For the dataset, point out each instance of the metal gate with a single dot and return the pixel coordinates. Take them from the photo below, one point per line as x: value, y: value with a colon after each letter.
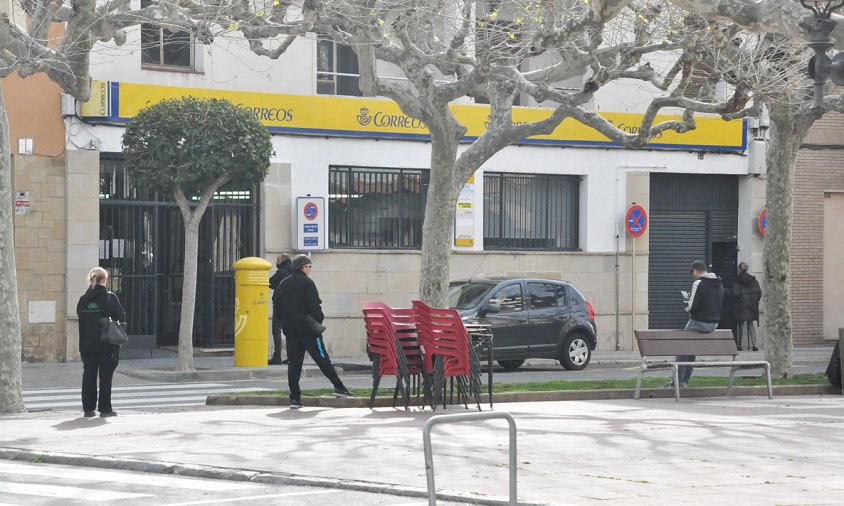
x: 142, y: 247
x: 693, y: 217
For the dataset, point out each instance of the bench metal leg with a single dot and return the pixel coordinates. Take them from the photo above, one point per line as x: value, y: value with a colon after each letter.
x: 676, y: 382
x: 730, y: 382
x: 639, y: 383
x: 768, y: 377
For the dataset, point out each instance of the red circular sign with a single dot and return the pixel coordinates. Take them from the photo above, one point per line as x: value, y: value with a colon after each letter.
x: 311, y: 211
x: 636, y: 221
x: 763, y: 221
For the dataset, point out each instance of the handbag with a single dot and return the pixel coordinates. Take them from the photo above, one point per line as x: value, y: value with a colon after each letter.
x: 111, y: 331
x: 315, y: 326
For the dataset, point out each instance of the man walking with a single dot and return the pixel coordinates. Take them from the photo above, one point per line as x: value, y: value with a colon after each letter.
x: 283, y: 264
x: 299, y: 300
x: 704, y: 307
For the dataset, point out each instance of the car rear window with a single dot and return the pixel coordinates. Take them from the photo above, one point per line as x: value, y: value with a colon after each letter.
x: 467, y: 295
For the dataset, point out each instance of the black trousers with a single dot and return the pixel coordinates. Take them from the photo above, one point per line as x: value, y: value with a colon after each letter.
x: 296, y: 348
x: 98, y: 364
x: 276, y: 332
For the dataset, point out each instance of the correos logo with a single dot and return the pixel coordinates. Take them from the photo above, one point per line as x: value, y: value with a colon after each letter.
x: 380, y: 119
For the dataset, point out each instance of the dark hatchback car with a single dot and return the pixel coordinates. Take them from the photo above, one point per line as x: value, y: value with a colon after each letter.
x: 529, y: 318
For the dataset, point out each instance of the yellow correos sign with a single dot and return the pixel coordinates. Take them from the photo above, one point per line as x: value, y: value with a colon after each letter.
x: 359, y: 117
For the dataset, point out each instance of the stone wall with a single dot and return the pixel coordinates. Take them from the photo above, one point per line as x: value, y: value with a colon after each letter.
x: 40, y: 239
x: 347, y: 278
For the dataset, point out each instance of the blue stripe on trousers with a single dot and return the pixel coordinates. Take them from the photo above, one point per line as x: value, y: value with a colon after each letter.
x: 320, y: 347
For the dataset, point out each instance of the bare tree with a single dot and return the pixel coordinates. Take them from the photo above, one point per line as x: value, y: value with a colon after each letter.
x: 509, y: 49
x: 791, y: 118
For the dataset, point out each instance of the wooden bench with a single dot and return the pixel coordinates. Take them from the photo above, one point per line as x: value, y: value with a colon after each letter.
x: 665, y: 343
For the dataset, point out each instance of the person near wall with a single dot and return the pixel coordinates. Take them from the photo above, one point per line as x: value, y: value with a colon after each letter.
x: 704, y: 307
x: 299, y: 299
x: 747, y: 294
x: 283, y: 264
x: 99, y: 359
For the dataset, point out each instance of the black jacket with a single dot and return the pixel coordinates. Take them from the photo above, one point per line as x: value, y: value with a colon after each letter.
x: 706, y: 297
x: 284, y: 270
x: 748, y: 294
x: 91, y: 307
x: 298, y: 298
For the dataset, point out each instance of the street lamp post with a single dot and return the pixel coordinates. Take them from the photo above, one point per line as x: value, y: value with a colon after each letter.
x: 821, y: 66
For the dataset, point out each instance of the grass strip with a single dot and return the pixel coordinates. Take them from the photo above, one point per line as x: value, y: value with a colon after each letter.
x: 552, y: 386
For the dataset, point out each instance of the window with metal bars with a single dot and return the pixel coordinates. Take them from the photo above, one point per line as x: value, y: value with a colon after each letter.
x: 531, y: 211
x: 376, y: 207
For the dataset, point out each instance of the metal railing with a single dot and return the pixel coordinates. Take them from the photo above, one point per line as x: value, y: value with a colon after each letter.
x: 466, y: 417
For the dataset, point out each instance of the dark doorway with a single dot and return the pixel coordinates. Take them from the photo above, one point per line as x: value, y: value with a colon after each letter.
x: 142, y: 246
x: 725, y: 265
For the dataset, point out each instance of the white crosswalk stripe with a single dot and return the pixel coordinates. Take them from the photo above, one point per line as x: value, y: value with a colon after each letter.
x: 137, y: 396
x: 49, y: 484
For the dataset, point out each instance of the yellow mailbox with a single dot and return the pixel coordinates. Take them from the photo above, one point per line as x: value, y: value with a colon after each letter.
x: 251, y: 311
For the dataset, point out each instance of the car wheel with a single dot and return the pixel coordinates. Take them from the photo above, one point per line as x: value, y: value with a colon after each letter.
x: 511, y: 365
x: 575, y: 354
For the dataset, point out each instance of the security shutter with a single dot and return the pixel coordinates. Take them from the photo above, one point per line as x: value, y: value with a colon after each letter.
x: 677, y: 239
x: 688, y: 212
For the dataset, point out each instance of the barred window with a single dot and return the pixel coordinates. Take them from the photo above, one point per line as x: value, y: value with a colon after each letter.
x: 375, y: 207
x: 531, y: 211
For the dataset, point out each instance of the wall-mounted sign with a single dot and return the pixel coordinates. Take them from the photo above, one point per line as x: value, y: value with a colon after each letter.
x: 310, y: 224
x: 636, y: 221
x: 22, y: 202
x: 763, y: 221
x: 464, y: 217
x: 115, y: 102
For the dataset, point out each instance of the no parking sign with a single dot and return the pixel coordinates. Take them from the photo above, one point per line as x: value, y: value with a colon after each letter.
x: 636, y: 221
x: 310, y: 223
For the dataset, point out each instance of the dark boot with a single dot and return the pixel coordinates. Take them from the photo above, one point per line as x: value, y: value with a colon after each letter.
x: 276, y: 360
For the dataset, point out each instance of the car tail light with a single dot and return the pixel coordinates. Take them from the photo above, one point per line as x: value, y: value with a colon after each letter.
x: 591, y: 310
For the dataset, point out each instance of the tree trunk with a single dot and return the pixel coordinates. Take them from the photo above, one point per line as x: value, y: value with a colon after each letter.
x: 443, y: 191
x: 11, y: 400
x: 788, y: 129
x: 192, y: 220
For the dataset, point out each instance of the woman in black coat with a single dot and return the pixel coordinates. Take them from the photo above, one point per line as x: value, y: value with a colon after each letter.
x: 747, y: 293
x: 98, y: 358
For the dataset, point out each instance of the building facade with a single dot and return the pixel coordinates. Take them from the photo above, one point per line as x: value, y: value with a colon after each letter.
x: 553, y: 207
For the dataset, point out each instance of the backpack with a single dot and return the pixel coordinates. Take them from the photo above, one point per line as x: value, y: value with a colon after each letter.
x: 833, y: 371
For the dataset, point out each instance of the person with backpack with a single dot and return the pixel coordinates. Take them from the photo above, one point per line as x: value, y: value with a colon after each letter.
x: 747, y: 294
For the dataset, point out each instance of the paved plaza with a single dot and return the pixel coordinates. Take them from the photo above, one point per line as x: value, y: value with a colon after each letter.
x: 732, y: 451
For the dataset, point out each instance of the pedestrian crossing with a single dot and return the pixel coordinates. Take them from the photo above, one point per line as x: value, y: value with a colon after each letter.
x: 40, y: 484
x: 132, y: 397
x: 48, y: 484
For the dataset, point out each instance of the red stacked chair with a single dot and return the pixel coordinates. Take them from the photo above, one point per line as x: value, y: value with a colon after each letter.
x: 447, y: 351
x: 391, y: 335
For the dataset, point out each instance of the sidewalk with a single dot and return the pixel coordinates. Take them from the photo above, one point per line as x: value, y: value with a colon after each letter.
x: 740, y: 451
x: 217, y: 367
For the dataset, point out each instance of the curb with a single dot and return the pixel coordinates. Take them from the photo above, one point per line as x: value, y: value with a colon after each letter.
x: 507, y: 397
x: 222, y: 473
x: 229, y: 374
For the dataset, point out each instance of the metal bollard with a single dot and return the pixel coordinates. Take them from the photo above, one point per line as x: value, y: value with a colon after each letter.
x: 467, y: 417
